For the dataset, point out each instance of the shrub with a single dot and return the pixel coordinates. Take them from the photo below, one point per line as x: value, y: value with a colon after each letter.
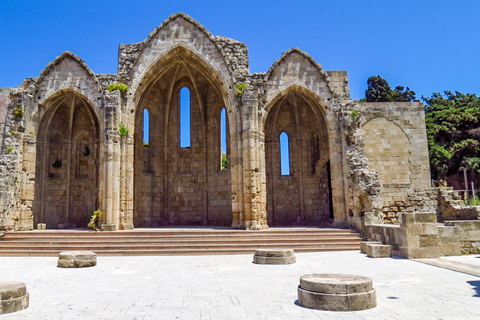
x: 240, y: 87
x: 92, y: 224
x: 122, y: 87
x: 18, y: 112
x: 123, y: 130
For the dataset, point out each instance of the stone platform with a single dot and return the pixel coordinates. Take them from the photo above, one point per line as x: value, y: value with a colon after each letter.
x: 336, y: 292
x: 13, y: 296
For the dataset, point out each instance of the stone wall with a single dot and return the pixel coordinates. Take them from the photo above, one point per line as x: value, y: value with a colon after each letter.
x: 395, y: 140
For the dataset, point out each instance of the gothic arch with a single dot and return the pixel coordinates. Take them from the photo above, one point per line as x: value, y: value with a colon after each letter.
x: 304, y: 196
x: 181, y: 186
x: 67, y: 164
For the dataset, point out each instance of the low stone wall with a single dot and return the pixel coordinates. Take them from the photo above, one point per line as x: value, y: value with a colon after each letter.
x: 385, y: 233
x: 418, y: 200
x: 468, y: 235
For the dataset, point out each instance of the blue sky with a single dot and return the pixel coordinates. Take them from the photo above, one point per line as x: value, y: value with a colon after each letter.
x: 430, y: 46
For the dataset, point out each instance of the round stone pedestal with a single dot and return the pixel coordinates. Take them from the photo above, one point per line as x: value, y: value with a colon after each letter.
x: 274, y: 256
x: 13, y: 296
x: 77, y: 259
x: 336, y: 292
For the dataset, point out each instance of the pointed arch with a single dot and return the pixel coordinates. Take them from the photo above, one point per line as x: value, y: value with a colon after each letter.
x: 298, y: 195
x: 180, y: 181
x: 68, y: 162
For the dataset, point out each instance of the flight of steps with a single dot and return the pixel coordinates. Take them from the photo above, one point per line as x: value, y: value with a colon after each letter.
x: 173, y: 241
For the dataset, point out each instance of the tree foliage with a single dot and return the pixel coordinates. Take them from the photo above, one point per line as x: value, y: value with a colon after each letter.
x: 380, y: 91
x: 453, y: 132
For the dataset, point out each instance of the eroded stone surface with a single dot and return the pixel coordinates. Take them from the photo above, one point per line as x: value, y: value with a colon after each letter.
x: 274, y: 256
x: 77, y: 259
x: 336, y: 292
x: 13, y: 296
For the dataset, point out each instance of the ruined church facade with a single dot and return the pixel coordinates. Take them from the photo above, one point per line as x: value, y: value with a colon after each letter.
x: 70, y: 146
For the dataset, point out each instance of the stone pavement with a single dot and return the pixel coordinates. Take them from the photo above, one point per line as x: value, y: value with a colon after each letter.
x: 232, y: 287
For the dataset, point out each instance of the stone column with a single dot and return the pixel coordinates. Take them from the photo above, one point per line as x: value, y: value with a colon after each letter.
x: 254, y: 177
x: 418, y: 235
x: 110, y: 186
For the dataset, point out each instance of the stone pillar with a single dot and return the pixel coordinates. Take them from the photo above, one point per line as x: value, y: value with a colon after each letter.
x: 254, y: 177
x: 110, y: 183
x: 418, y: 235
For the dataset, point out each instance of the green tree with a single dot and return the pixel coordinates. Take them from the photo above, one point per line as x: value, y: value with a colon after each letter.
x: 453, y: 132
x: 380, y: 91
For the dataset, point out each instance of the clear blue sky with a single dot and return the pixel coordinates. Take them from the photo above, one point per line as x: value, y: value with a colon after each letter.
x: 430, y: 46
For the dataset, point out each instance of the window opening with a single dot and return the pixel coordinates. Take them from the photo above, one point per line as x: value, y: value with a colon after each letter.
x: 223, y: 139
x: 146, y: 127
x: 284, y: 154
x: 184, y: 117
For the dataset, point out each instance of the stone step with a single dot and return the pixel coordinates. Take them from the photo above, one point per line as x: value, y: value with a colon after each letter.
x: 176, y: 241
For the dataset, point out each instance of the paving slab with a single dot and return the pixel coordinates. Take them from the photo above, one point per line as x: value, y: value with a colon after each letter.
x: 232, y: 287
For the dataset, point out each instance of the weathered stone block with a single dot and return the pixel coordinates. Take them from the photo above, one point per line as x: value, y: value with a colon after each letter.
x: 109, y: 227
x: 274, y: 256
x: 13, y: 296
x: 363, y: 245
x: 336, y: 292
x: 41, y: 226
x: 77, y: 259
x: 379, y: 251
x: 430, y: 240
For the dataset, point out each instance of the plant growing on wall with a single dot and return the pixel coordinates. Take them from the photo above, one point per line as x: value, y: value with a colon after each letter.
x: 18, y: 112
x: 122, y: 87
x: 123, y: 130
x: 224, y: 161
x: 92, y: 224
x: 9, y: 149
x: 239, y: 88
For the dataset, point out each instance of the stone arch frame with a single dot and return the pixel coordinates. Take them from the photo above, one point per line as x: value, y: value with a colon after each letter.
x: 298, y: 170
x: 181, y: 64
x: 51, y: 107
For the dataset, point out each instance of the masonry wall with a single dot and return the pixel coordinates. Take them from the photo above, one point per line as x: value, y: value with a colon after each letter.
x: 396, y: 146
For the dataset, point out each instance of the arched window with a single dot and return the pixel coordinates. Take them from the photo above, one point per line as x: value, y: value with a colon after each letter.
x: 146, y: 128
x: 223, y: 139
x: 184, y: 117
x: 284, y: 154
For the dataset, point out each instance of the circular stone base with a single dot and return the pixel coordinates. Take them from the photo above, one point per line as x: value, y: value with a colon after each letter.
x: 274, y: 256
x: 336, y: 292
x: 13, y: 296
x: 77, y: 259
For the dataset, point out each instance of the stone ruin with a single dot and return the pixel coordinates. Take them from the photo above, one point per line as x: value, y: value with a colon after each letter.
x: 71, y: 146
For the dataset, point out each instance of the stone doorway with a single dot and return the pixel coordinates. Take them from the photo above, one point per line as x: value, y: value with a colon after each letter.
x: 66, y: 192
x: 300, y: 195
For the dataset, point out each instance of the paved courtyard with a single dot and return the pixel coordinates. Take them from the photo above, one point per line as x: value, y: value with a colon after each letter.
x: 232, y: 287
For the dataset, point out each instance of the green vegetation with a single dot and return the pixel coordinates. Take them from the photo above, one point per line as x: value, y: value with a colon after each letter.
x: 453, y: 132
x: 9, y: 149
x: 379, y: 91
x: 224, y: 161
x: 239, y: 88
x: 123, y: 88
x: 146, y: 144
x: 123, y: 130
x: 18, y: 112
x: 92, y: 224
x: 355, y: 114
